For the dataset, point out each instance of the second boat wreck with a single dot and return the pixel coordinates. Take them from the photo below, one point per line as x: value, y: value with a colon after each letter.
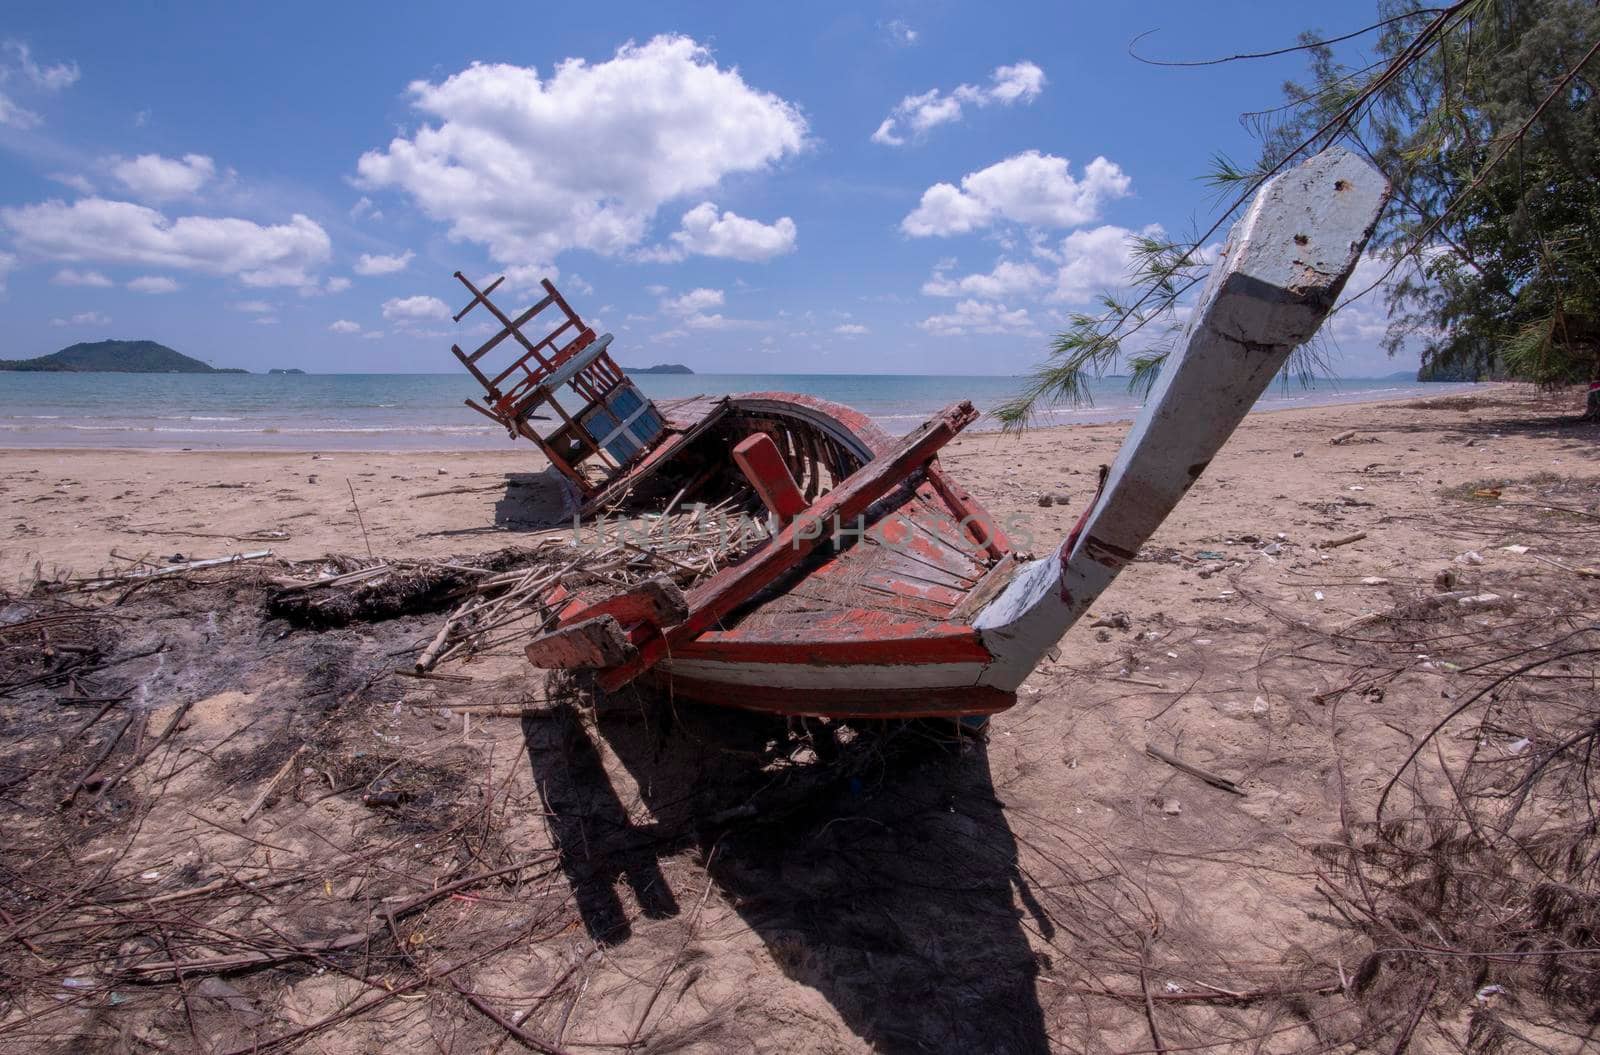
x: 879, y: 587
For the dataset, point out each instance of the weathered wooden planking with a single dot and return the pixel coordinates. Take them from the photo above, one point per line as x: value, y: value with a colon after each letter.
x: 768, y: 473
x: 838, y: 638
x: 593, y: 644
x: 1280, y: 274
x: 658, y: 601
x: 716, y: 598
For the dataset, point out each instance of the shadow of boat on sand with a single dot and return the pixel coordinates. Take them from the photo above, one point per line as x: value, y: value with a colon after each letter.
x: 885, y: 878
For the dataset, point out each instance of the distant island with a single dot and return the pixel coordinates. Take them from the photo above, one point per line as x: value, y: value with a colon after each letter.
x: 286, y: 370
x: 117, y: 357
x: 660, y: 368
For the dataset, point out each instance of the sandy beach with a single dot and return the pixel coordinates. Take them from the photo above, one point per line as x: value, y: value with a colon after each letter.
x: 69, y: 511
x: 988, y: 900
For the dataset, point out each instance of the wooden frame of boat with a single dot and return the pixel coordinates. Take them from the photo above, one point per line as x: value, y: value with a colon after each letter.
x: 886, y: 589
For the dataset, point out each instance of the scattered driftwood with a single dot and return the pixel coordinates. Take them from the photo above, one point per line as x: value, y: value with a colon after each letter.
x: 1193, y: 770
x: 370, y: 595
x: 1342, y: 540
x: 627, y: 570
x: 271, y: 785
x: 1421, y: 607
x: 1344, y: 437
x: 140, y: 576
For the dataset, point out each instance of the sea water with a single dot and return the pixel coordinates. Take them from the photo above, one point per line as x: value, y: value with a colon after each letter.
x: 426, y: 411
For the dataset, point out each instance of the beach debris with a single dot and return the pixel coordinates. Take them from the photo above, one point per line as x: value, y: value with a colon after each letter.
x: 1374, y: 580
x: 1472, y: 556
x: 1343, y: 540
x: 1446, y: 579
x: 271, y: 785
x: 1116, y: 621
x: 1047, y: 499
x: 1343, y: 438
x: 1193, y: 770
x: 631, y: 571
x: 1171, y: 807
x: 368, y: 594
x: 1300, y: 454
x: 1517, y: 550
x: 139, y: 575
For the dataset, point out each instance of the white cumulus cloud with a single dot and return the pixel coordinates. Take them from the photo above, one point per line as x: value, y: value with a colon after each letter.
x: 16, y: 58
x: 1008, y: 279
x: 973, y: 316
x: 915, y: 115
x: 154, y: 284
x: 899, y: 33
x: 1029, y: 188
x: 95, y: 229
x: 657, y: 121
x: 372, y: 264
x: 84, y: 318
x: 851, y: 329
x: 160, y: 178
x: 8, y: 263
x: 71, y: 277
x: 415, y: 309
x: 17, y: 116
x: 344, y: 326
x: 705, y: 232
x: 1073, y: 271
x: 17, y: 65
x: 696, y: 300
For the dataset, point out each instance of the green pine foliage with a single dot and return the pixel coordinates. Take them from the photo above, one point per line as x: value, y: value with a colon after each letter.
x: 1483, y: 116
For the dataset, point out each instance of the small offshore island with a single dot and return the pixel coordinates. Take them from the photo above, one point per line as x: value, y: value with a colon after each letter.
x: 659, y: 368
x: 117, y: 357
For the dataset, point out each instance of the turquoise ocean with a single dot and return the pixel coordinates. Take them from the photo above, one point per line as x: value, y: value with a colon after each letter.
x: 425, y: 411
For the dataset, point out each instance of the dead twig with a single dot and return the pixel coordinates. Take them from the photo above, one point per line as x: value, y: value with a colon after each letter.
x: 1193, y: 770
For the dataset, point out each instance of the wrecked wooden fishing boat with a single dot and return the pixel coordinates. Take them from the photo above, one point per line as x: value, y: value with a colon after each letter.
x: 880, y: 587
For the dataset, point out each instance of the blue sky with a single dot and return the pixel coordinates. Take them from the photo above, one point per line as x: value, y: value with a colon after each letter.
x: 836, y: 188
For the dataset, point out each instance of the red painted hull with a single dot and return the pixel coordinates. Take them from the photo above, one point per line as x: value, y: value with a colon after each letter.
x: 868, y: 623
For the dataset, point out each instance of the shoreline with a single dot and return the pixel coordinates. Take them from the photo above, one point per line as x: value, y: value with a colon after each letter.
x: 83, y: 509
x: 984, y: 426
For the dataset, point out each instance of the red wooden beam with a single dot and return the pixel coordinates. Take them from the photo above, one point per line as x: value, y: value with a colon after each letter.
x: 762, y: 464
x: 657, y: 601
x: 980, y: 525
x: 590, y: 645
x: 721, y: 594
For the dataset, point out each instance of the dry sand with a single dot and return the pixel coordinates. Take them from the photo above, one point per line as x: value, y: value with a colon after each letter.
x: 71, y: 510
x: 924, y: 903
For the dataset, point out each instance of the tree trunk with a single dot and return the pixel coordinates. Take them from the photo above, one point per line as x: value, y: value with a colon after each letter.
x: 1592, y: 410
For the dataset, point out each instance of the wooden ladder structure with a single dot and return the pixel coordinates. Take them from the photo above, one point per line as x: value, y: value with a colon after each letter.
x: 611, y: 424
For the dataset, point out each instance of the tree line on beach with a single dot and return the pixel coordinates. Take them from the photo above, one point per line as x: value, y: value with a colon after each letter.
x: 1483, y: 115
